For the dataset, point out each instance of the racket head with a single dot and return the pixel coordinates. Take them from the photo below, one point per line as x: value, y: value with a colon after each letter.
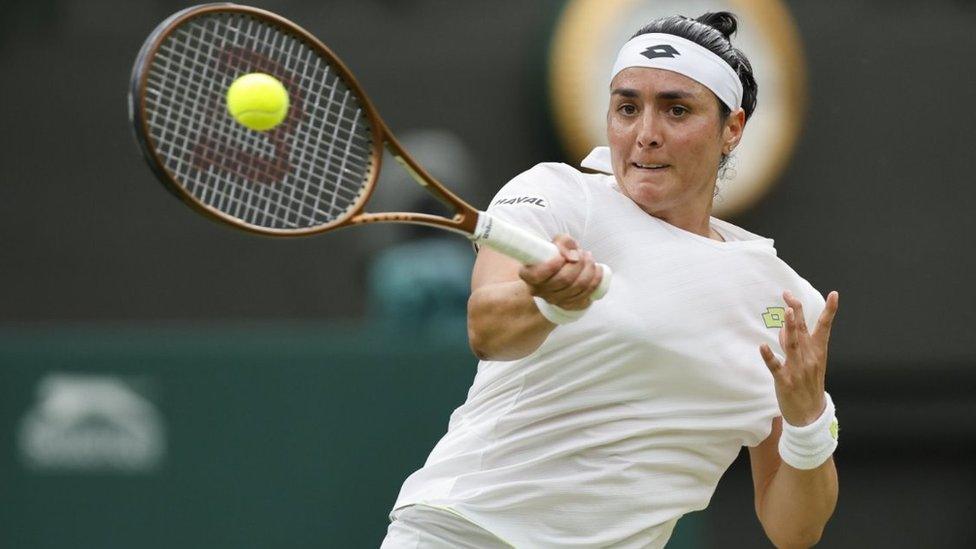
x: 312, y: 173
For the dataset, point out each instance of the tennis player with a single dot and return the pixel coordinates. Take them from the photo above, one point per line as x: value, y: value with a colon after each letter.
x: 601, y: 424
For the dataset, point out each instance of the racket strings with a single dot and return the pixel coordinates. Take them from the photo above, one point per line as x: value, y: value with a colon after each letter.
x: 259, y: 202
x: 240, y: 129
x: 310, y: 171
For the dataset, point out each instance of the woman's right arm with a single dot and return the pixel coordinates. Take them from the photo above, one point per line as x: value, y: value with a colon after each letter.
x: 504, y: 322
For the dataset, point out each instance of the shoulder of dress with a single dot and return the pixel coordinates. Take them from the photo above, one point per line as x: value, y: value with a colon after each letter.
x: 556, y: 169
x: 550, y: 175
x: 739, y: 232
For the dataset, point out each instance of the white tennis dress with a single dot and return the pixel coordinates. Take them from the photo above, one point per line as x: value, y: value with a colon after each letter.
x: 625, y: 420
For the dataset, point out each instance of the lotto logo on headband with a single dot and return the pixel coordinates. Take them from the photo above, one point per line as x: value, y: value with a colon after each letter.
x: 658, y: 50
x: 661, y: 50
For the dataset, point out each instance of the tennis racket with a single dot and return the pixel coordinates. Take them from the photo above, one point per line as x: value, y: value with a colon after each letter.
x: 314, y: 172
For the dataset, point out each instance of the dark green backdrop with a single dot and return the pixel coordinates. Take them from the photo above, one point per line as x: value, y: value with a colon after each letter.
x: 276, y: 435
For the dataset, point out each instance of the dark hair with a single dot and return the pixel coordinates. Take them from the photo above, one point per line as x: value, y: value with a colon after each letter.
x: 713, y: 31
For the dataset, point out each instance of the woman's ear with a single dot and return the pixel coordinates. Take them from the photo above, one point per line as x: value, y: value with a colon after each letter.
x: 732, y: 132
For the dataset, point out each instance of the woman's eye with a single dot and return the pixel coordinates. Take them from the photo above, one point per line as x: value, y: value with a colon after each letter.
x: 678, y: 110
x: 627, y: 109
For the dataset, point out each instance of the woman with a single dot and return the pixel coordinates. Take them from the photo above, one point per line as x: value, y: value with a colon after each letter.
x: 601, y: 424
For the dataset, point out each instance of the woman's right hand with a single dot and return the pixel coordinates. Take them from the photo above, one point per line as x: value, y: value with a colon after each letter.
x: 504, y: 322
x: 567, y: 280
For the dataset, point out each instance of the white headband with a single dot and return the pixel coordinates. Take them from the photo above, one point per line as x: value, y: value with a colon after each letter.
x: 676, y: 54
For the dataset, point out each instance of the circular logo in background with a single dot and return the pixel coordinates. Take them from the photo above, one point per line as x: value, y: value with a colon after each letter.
x: 590, y: 32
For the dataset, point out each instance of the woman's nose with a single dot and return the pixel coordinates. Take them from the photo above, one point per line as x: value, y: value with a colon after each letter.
x: 648, y: 134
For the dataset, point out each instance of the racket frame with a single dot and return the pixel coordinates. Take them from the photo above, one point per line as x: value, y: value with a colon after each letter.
x: 464, y: 221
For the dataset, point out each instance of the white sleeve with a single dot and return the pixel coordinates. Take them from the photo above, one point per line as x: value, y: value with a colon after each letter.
x: 548, y: 199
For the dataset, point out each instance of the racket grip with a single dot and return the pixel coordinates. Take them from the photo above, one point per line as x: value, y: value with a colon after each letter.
x: 524, y: 246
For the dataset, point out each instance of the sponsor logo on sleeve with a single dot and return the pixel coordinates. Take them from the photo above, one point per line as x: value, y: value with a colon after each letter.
x: 536, y: 201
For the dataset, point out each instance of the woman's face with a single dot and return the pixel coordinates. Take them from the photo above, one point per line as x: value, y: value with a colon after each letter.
x: 666, y: 139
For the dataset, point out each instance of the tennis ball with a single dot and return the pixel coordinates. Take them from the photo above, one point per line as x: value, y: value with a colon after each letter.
x: 258, y: 101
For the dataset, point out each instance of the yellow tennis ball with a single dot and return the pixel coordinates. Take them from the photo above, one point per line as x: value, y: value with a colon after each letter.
x: 258, y: 101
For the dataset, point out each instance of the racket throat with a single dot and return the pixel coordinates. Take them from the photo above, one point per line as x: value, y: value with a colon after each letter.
x: 442, y: 195
x: 410, y: 170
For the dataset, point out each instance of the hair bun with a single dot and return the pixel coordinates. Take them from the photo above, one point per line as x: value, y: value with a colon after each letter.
x: 722, y: 21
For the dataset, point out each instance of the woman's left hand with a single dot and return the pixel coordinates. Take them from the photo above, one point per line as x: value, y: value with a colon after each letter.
x: 800, y: 379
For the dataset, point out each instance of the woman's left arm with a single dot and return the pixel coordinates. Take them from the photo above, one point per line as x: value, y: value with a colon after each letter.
x: 794, y: 504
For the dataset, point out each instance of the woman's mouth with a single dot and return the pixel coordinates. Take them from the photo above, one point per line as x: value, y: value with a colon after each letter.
x: 650, y: 166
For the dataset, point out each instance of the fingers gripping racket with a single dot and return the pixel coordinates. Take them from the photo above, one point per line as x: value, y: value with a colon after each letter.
x: 312, y: 173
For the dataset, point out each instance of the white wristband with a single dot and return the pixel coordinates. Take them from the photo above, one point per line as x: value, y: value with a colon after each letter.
x: 557, y: 315
x: 809, y: 446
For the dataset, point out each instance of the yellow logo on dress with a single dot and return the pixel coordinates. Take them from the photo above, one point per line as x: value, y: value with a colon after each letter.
x: 774, y: 317
x: 834, y: 428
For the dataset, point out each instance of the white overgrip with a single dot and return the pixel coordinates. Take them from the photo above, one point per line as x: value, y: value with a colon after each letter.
x: 527, y: 248
x: 512, y: 240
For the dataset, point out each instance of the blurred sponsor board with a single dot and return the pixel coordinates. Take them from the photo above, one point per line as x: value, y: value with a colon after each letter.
x: 92, y: 423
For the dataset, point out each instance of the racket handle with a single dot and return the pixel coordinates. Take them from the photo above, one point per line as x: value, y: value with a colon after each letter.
x: 524, y: 246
